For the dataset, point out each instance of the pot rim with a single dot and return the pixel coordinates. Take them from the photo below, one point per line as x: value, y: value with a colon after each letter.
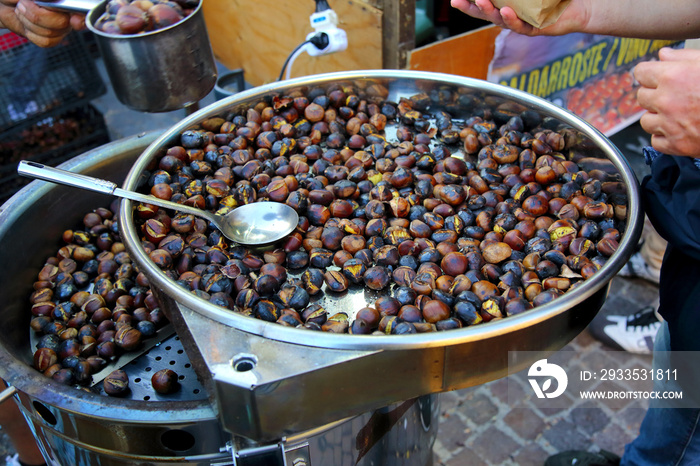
x: 94, y: 15
x: 389, y: 342
x: 17, y: 373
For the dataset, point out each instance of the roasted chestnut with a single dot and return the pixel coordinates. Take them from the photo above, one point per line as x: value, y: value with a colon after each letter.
x: 116, y: 383
x: 377, y: 277
x: 336, y: 281
x: 165, y: 381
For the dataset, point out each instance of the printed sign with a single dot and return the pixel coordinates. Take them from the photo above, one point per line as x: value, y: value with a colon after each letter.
x: 590, y: 75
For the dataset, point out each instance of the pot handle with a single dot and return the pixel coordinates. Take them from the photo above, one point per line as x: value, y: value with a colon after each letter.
x: 76, y: 6
x: 7, y: 394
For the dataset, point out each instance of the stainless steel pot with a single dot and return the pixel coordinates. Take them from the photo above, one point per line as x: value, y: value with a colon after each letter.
x: 76, y: 427
x: 286, y: 380
x: 159, y: 71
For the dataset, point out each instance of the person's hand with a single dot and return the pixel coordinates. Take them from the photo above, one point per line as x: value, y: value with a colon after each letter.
x: 505, y: 17
x: 41, y: 26
x: 574, y: 18
x: 670, y: 92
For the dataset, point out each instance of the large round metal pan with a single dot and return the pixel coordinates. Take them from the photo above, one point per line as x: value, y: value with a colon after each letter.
x: 372, y: 370
x: 80, y: 427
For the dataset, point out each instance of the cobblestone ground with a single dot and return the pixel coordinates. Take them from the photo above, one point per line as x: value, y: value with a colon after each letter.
x: 488, y: 425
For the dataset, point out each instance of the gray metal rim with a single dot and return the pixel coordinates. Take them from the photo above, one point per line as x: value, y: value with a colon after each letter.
x: 368, y: 343
x: 32, y: 383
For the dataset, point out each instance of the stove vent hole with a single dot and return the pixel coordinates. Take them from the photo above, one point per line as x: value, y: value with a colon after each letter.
x: 177, y: 440
x: 244, y: 362
x: 45, y: 413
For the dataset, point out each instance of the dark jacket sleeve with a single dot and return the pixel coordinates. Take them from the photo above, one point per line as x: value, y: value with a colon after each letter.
x: 671, y: 200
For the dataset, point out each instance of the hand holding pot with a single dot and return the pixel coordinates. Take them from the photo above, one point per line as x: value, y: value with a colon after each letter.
x: 43, y: 27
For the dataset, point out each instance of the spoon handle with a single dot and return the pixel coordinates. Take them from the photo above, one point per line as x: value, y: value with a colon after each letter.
x: 76, y: 180
x: 56, y: 175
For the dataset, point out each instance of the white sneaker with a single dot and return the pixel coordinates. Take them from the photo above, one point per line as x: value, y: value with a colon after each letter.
x: 634, y: 334
x: 12, y: 460
x: 15, y: 115
x: 637, y: 267
x: 31, y: 108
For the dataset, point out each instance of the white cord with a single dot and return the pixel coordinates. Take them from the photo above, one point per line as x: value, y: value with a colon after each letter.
x: 291, y: 60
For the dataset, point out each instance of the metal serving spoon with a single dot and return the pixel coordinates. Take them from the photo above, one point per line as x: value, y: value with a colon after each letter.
x: 249, y: 225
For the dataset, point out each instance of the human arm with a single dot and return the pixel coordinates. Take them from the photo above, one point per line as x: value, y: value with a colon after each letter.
x: 670, y: 92
x: 41, y: 26
x: 650, y: 19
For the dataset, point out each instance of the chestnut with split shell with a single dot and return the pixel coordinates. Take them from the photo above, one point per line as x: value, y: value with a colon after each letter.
x: 256, y: 224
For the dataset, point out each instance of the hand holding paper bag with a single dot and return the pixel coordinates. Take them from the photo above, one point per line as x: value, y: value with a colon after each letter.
x: 644, y: 19
x: 536, y: 13
x: 539, y: 13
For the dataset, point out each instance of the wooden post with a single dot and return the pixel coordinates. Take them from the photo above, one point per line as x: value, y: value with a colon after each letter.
x: 399, y: 25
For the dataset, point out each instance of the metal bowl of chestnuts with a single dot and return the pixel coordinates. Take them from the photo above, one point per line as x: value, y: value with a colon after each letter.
x: 450, y: 231
x: 157, y: 54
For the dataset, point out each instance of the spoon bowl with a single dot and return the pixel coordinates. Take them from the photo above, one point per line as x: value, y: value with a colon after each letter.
x: 257, y: 224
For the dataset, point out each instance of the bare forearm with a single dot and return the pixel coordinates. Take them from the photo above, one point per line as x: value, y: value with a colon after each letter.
x: 650, y: 19
x: 43, y: 27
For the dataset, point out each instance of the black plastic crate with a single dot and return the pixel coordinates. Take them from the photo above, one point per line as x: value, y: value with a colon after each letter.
x: 42, y: 82
x: 51, y: 141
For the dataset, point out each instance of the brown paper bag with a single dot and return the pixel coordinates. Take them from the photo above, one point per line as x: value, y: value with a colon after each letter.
x: 539, y: 13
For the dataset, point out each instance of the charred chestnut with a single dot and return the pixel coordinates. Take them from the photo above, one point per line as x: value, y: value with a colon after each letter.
x: 116, y: 383
x: 165, y: 381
